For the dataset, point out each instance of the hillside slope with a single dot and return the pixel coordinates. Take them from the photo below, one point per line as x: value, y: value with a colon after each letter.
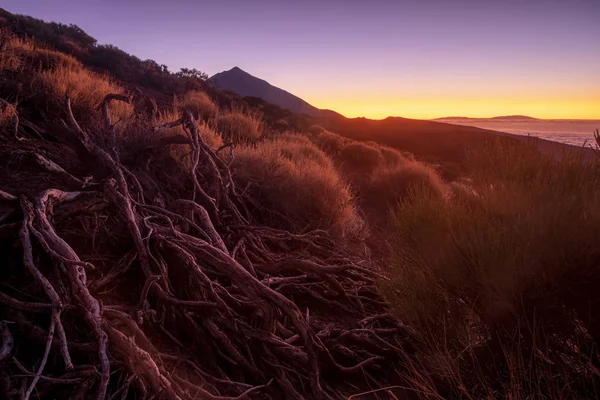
x: 244, y: 84
x: 157, y: 82
x: 140, y: 260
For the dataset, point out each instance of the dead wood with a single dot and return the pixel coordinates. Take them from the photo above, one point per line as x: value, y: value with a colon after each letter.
x: 181, y: 298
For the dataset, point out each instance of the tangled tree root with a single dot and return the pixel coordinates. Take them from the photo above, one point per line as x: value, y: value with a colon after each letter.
x: 118, y: 289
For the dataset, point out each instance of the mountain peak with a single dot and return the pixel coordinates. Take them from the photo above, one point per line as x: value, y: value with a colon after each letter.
x: 241, y: 82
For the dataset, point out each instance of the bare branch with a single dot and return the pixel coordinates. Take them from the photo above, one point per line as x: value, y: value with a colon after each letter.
x: 105, y: 106
x: 7, y: 341
x: 171, y: 124
x: 7, y: 196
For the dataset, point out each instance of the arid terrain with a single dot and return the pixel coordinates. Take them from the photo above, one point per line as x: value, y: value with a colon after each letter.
x: 162, y: 238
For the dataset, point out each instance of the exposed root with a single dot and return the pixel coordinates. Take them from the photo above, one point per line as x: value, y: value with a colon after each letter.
x: 179, y: 299
x: 7, y: 341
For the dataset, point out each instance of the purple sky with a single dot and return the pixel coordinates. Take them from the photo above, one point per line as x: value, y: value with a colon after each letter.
x: 420, y: 58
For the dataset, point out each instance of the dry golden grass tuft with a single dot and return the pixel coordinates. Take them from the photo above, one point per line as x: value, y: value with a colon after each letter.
x: 7, y: 114
x: 12, y: 48
x: 239, y: 126
x: 331, y: 143
x: 316, y: 129
x: 19, y: 53
x: 299, y: 148
x: 295, y: 186
x: 86, y: 90
x: 358, y: 158
x: 210, y: 137
x: 198, y: 103
x: 394, y: 157
x: 506, y: 271
x: 47, y: 59
x: 389, y: 185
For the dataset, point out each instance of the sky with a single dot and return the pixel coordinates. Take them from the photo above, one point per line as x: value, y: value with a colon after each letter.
x: 411, y: 58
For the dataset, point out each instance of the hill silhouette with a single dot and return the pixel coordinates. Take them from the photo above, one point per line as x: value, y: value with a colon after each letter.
x: 247, y: 85
x: 501, y: 117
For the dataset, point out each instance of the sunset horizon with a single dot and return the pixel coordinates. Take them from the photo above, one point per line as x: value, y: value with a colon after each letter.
x: 421, y: 60
x: 421, y: 108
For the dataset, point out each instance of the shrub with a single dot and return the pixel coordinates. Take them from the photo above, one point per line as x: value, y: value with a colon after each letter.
x: 394, y: 157
x: 294, y: 138
x: 86, y: 90
x: 316, y: 129
x: 299, y: 148
x: 360, y: 158
x: 11, y: 49
x: 7, y: 114
x: 295, y: 189
x: 389, y: 185
x: 506, y: 272
x: 331, y: 143
x: 18, y: 53
x: 48, y: 59
x: 238, y: 126
x: 210, y: 137
x: 198, y: 103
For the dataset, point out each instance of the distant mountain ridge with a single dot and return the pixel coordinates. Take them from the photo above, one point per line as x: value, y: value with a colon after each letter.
x: 502, y: 117
x: 241, y: 82
x: 520, y: 117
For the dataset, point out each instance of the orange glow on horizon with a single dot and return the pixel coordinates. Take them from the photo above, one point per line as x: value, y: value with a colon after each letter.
x: 544, y: 108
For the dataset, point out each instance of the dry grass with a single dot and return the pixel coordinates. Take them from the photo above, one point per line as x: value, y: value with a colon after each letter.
x: 238, y: 126
x: 45, y: 59
x: 383, y: 175
x: 296, y: 187
x: 358, y: 158
x: 7, y: 114
x: 18, y: 53
x: 299, y: 148
x: 12, y: 48
x: 394, y: 157
x: 198, y: 103
x: 389, y: 185
x: 331, y: 143
x: 316, y: 129
x: 502, y: 277
x: 85, y: 88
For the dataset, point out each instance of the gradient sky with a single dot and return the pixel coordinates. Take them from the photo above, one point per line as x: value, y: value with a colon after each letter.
x: 411, y: 58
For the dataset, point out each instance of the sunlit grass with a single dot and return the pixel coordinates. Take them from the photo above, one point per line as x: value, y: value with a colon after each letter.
x: 198, y: 103
x: 239, y: 126
x: 297, y: 187
x: 85, y: 88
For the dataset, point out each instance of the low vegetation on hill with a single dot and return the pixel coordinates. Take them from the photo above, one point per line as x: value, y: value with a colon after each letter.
x: 295, y: 186
x: 174, y: 252
x: 506, y: 272
x: 163, y: 240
